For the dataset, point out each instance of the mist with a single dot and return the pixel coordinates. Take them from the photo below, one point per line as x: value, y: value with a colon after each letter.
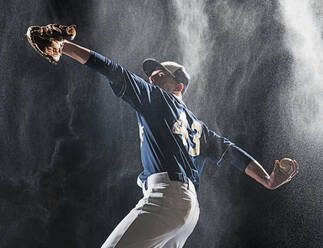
x: 303, y: 21
x: 69, y: 147
x: 194, y: 38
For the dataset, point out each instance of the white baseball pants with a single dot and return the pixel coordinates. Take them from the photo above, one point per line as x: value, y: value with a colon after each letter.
x: 164, y: 217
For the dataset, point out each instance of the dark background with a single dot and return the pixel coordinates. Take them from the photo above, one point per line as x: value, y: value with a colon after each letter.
x: 69, y: 149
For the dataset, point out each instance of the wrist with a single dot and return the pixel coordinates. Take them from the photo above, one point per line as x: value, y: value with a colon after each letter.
x: 272, y: 184
x: 268, y: 183
x: 265, y: 181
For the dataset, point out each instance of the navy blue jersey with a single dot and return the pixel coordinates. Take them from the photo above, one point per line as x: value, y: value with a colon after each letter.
x: 172, y: 139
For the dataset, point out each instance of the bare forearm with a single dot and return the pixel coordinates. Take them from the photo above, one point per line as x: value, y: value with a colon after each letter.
x: 79, y: 53
x: 257, y: 172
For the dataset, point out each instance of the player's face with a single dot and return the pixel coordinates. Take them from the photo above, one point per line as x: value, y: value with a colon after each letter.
x: 163, y: 79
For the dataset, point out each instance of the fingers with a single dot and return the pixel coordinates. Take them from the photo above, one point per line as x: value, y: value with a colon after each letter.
x: 276, y: 165
x: 293, y: 171
x: 296, y: 168
x: 280, y: 176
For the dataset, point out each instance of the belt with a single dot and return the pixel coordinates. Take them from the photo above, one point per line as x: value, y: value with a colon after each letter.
x: 163, y: 177
x: 178, y: 177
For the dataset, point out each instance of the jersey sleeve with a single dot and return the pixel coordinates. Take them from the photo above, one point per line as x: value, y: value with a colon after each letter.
x: 221, y: 151
x: 125, y: 84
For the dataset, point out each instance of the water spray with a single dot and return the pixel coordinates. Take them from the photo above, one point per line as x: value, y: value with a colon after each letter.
x: 303, y: 38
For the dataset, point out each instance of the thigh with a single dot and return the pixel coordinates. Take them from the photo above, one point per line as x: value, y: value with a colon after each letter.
x: 149, y: 225
x: 178, y: 240
x: 120, y: 229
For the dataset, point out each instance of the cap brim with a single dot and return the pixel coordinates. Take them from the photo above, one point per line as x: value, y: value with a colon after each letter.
x: 150, y: 65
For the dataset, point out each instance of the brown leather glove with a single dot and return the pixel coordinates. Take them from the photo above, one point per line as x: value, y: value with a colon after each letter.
x: 48, y: 40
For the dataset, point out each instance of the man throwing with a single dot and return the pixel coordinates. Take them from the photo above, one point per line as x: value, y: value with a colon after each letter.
x: 174, y: 148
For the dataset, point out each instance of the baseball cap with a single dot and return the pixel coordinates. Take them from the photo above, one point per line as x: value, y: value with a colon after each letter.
x: 177, y: 71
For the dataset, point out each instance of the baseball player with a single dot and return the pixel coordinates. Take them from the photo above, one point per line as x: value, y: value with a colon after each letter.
x: 174, y: 148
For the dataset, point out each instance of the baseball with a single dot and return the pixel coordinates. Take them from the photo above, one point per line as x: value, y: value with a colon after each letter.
x: 285, y: 164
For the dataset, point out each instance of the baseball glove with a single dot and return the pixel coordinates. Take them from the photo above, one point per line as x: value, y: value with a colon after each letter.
x: 48, y: 40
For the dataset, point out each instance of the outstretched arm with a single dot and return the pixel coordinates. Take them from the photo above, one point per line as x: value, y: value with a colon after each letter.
x: 276, y: 178
x: 79, y: 53
x: 125, y: 84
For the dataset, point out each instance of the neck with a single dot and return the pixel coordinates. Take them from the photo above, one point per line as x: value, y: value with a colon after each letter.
x: 178, y: 95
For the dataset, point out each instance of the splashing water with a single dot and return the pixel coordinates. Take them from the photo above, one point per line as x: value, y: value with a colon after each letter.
x: 303, y: 21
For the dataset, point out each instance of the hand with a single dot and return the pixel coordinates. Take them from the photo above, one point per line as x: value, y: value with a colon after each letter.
x: 278, y: 177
